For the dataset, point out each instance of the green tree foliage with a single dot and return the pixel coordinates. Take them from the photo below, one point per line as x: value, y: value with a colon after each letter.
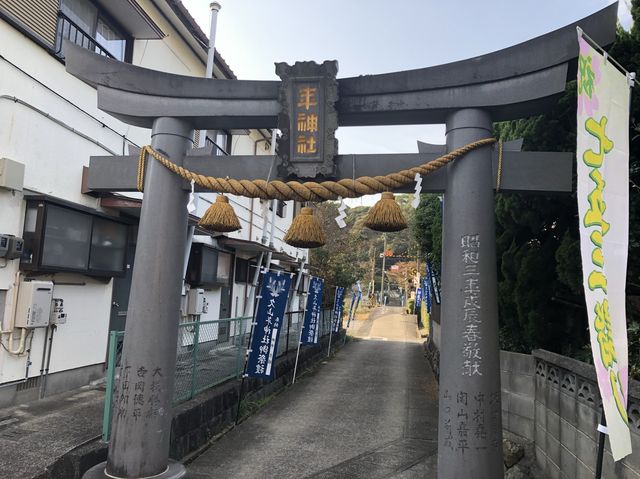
x: 540, y: 279
x: 426, y: 228
x: 339, y: 261
x: 353, y: 253
x: 540, y: 293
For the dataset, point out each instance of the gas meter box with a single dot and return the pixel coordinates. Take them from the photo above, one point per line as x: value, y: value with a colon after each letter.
x: 16, y: 245
x: 10, y: 246
x: 4, y: 245
x: 58, y: 316
x: 33, y: 308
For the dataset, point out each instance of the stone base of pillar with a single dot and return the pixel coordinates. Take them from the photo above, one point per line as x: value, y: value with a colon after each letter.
x: 174, y: 471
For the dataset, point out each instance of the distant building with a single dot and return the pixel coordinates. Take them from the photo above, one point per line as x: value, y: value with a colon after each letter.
x: 81, y: 244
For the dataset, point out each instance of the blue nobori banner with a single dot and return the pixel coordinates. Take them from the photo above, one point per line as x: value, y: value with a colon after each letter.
x: 337, y: 309
x: 433, y: 281
x: 268, y: 323
x: 426, y: 292
x: 418, y: 301
x: 312, y: 314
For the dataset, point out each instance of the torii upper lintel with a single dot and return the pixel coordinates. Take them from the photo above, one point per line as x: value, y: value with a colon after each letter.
x: 519, y: 81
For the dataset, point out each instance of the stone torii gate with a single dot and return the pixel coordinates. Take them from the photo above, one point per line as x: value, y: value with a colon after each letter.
x: 467, y: 96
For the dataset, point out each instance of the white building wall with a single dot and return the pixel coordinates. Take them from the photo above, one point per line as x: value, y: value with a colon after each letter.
x: 54, y: 155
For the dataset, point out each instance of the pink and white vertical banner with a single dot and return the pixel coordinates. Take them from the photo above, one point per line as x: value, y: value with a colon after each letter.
x: 603, y: 207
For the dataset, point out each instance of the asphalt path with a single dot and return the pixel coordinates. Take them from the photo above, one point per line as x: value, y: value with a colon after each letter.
x: 370, y: 411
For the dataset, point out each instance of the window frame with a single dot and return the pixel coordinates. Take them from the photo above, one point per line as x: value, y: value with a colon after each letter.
x: 35, y: 240
x: 195, y: 275
x: 241, y: 274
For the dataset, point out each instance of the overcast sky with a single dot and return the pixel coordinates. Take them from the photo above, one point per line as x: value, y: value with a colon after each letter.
x: 375, y: 36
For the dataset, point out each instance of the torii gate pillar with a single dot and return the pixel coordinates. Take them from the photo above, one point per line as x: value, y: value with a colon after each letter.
x: 470, y: 426
x: 142, y: 409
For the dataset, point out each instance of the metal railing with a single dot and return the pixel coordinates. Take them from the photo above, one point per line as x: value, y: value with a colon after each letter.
x: 68, y: 30
x: 203, y: 359
x: 219, y: 151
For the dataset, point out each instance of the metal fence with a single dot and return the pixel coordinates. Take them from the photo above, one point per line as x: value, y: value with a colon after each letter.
x: 204, y: 358
x: 68, y: 30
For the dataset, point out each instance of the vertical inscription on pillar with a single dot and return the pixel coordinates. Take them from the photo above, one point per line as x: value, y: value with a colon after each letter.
x: 471, y: 332
x: 138, y: 393
x: 448, y: 427
x: 462, y: 432
x: 470, y: 421
x: 122, y: 393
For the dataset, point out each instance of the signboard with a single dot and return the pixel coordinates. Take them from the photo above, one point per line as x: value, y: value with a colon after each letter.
x: 311, y: 324
x: 268, y: 323
x: 308, y: 118
x: 603, y: 211
x: 337, y: 309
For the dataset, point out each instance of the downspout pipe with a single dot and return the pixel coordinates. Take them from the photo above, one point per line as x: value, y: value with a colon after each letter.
x: 215, y: 8
x: 274, y: 205
x: 211, y: 53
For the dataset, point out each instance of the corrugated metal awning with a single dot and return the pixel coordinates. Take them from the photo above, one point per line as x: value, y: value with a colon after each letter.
x: 243, y: 245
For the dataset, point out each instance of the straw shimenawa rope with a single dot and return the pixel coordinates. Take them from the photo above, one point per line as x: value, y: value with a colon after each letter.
x: 309, y: 190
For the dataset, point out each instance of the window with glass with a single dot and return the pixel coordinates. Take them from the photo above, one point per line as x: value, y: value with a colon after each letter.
x: 108, y: 245
x: 83, y: 23
x: 208, y: 266
x: 223, y: 272
x: 242, y: 270
x: 281, y: 209
x: 221, y: 140
x: 67, y: 239
x: 62, y: 238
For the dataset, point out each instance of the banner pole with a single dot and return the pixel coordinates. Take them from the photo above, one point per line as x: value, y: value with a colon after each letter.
x: 294, y: 292
x: 295, y: 367
x: 246, y: 355
x: 601, y: 436
x: 333, y: 311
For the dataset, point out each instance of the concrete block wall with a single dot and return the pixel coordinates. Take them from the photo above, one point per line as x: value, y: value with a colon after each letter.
x: 554, y: 401
x: 567, y: 413
x: 518, y: 390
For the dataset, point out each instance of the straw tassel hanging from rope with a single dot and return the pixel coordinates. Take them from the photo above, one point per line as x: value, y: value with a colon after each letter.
x: 386, y: 215
x: 220, y: 217
x: 305, y: 231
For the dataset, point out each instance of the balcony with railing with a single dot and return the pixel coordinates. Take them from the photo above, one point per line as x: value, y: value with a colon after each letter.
x: 69, y: 30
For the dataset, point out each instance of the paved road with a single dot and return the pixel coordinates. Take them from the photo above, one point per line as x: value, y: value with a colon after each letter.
x: 369, y: 412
